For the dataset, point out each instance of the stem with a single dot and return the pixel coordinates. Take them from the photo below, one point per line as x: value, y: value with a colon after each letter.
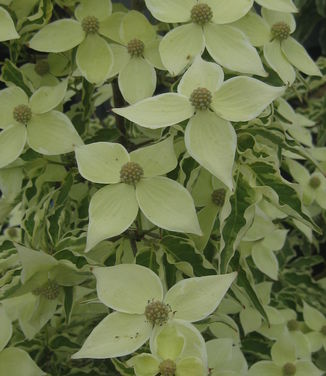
x: 133, y: 245
x: 118, y: 102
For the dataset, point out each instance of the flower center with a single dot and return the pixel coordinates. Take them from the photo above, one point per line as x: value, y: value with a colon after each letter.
x: 201, y: 98
x: 167, y: 368
x: 289, y: 369
x: 280, y: 31
x: 131, y: 173
x: 135, y: 47
x: 218, y: 197
x: 50, y: 290
x: 22, y: 114
x: 293, y: 325
x: 42, y: 67
x: 90, y: 24
x: 314, y: 182
x: 323, y: 330
x: 157, y: 313
x: 201, y: 14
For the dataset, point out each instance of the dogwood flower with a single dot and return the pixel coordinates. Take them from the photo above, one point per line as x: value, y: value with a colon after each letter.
x: 142, y: 309
x: 210, y: 104
x: 284, y: 362
x: 281, y: 51
x: 7, y: 27
x: 316, y: 321
x: 94, y: 57
x: 205, y: 27
x: 134, y: 183
x: 34, y: 119
x: 169, y: 357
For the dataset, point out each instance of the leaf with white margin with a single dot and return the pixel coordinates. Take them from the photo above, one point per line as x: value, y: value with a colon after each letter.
x: 5, y: 329
x: 212, y: 142
x: 171, y: 10
x: 201, y: 74
x: 278, y: 5
x: 266, y: 261
x: 278, y: 62
x: 195, y: 298
x: 167, y: 204
x: 94, y: 59
x: 313, y: 318
x: 224, y: 12
x: 298, y: 56
x: 243, y: 98
x: 34, y: 262
x: 157, y: 159
x: 255, y: 28
x: 180, y: 46
x: 229, y: 47
x: 134, y: 25
x: 137, y: 80
x: 9, y: 99
x: 118, y: 334
x: 112, y: 210
x: 101, y: 162
x: 100, y: 9
x: 12, y: 142
x: 159, y: 111
x: 265, y: 368
x: 127, y: 287
x: 47, y: 98
x: 58, y: 36
x: 52, y: 133
x: 7, y: 27
x: 14, y: 360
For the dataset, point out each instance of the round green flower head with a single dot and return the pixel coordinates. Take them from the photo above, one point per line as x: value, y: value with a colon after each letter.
x: 323, y: 330
x: 167, y: 368
x: 280, y: 31
x: 135, y: 48
x: 42, y: 67
x: 22, y: 114
x: 201, y: 98
x: 293, y: 325
x: 50, y: 290
x: 218, y: 197
x: 201, y: 14
x: 131, y: 173
x: 314, y: 182
x: 157, y: 313
x: 289, y: 369
x: 90, y: 24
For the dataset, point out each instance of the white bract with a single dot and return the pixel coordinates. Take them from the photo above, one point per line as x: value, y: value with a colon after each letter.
x: 142, y: 308
x: 316, y: 321
x: 7, y: 27
x: 211, y: 105
x: 134, y: 183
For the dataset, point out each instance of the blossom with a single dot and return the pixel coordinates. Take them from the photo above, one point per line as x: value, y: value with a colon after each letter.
x: 210, y: 105
x: 34, y: 120
x: 94, y: 56
x: 142, y: 309
x: 316, y: 321
x: 7, y: 27
x: 205, y: 27
x: 281, y: 51
x: 134, y: 183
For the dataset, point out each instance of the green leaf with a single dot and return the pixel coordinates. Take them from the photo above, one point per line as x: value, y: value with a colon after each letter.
x: 10, y: 73
x: 68, y: 301
x: 6, y: 328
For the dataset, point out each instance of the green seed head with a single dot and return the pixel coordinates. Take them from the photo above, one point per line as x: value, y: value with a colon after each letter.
x: 314, y: 182
x: 289, y: 369
x: 136, y: 48
x: 323, y: 330
x: 42, y: 67
x: 218, y: 197
x: 293, y: 325
x: 22, y: 114
x: 90, y: 24
x: 280, y: 31
x: 167, y: 368
x: 157, y: 313
x: 131, y: 173
x: 201, y: 98
x: 50, y: 290
x: 201, y: 14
